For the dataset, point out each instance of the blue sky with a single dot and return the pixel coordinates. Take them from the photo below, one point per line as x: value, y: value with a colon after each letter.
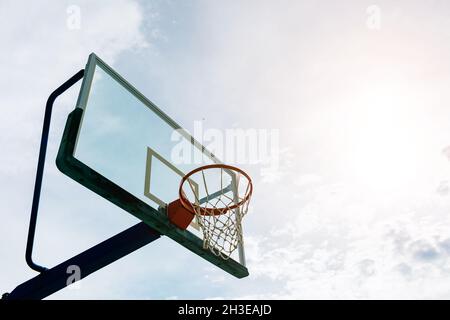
x: 358, y: 207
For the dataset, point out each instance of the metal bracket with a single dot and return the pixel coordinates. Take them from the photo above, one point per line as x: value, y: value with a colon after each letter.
x: 40, y: 168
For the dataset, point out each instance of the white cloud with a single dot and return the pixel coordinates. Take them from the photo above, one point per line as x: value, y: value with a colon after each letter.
x: 307, y: 180
x: 42, y: 53
x: 333, y: 249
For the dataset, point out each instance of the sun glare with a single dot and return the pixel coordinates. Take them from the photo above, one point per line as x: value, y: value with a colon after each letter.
x: 388, y: 139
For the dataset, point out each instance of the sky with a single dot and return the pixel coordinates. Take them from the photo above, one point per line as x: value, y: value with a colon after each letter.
x: 354, y: 201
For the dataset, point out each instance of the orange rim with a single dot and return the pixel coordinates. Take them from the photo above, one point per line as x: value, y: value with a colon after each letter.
x: 213, y: 211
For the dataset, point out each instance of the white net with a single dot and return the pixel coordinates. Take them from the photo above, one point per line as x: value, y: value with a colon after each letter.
x: 220, y: 202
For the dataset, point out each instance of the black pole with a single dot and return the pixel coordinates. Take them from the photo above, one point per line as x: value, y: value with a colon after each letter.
x: 89, y: 261
x: 40, y: 168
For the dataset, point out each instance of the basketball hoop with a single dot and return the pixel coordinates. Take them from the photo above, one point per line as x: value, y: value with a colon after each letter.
x: 227, y: 191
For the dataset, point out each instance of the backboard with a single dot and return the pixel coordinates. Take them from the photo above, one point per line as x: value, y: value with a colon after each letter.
x: 120, y: 145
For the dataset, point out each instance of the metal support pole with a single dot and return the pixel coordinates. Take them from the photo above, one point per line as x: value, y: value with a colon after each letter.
x: 89, y: 261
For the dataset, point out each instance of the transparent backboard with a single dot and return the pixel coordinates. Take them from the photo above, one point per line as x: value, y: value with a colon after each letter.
x: 120, y: 145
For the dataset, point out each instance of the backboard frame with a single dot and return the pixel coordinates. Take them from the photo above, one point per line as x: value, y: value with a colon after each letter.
x: 68, y: 164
